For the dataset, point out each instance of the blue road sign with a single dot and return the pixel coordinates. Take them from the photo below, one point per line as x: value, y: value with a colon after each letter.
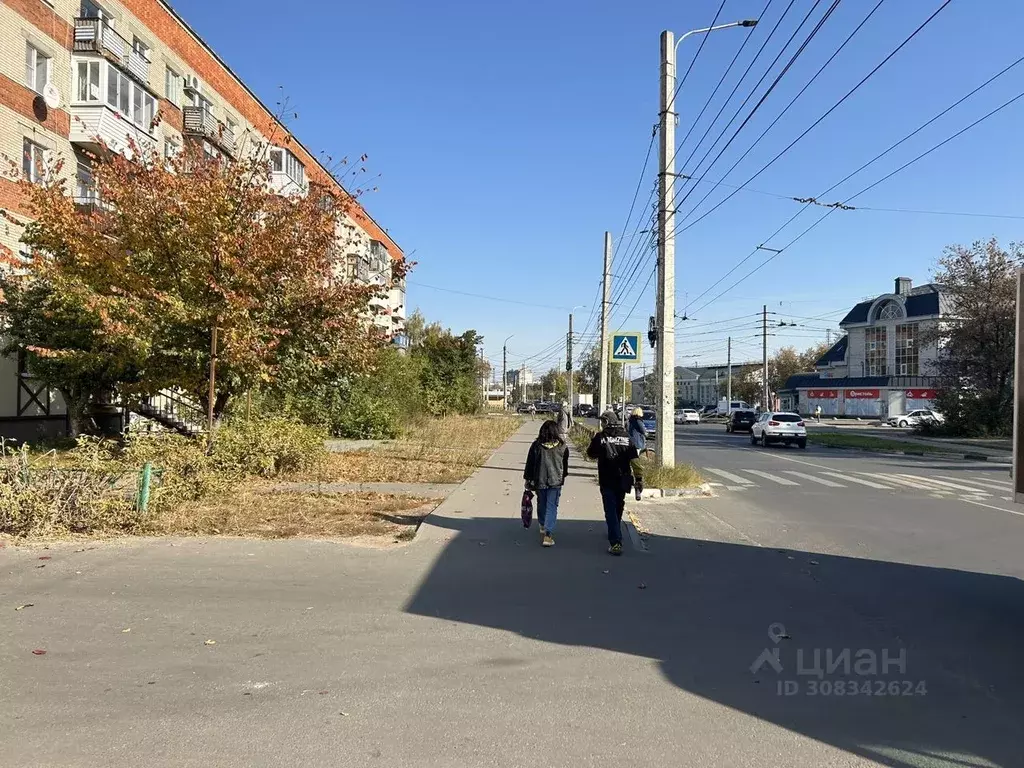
x: 625, y: 347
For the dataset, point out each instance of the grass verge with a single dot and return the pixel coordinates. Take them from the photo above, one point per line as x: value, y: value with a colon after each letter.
x: 276, y: 515
x: 869, y: 443
x: 679, y: 476
x: 444, y: 450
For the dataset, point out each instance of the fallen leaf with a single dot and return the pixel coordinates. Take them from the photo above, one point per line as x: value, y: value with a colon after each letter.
x: 45, y: 557
x: 26, y: 605
x: 814, y: 562
x: 41, y: 566
x: 209, y: 642
x: 343, y: 714
x: 126, y: 630
x: 604, y: 571
x: 641, y: 585
x: 38, y: 652
x: 322, y: 692
x: 151, y: 682
x: 247, y: 693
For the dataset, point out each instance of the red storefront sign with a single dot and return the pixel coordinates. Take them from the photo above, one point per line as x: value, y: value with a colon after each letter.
x: 862, y: 394
x: 823, y: 394
x: 921, y: 394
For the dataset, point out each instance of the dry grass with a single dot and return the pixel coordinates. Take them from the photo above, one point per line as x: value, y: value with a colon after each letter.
x: 433, y: 451
x: 679, y: 476
x: 271, y: 515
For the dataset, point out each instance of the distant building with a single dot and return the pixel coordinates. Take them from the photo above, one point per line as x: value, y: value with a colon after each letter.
x: 695, y: 386
x: 884, y: 365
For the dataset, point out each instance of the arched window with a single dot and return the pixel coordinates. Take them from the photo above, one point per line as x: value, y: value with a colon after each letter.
x: 889, y: 310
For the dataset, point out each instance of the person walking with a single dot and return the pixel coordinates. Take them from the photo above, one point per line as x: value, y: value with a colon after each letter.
x: 637, y: 431
x: 563, y: 421
x: 817, y: 413
x: 617, y: 471
x: 547, y: 464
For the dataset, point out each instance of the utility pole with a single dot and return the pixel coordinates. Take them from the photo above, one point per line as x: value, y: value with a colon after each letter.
x: 728, y: 386
x: 504, y: 376
x: 665, y: 353
x: 764, y: 358
x: 606, y: 300
x: 568, y: 361
x: 828, y: 336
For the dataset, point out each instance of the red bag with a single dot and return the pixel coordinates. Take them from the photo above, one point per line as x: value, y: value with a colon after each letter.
x: 527, y: 508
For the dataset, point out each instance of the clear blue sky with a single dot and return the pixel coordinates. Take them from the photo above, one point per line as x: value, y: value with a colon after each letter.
x: 510, y: 136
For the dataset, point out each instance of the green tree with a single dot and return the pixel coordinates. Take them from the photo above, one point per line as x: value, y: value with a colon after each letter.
x: 588, y: 373
x: 977, y: 337
x: 449, y: 372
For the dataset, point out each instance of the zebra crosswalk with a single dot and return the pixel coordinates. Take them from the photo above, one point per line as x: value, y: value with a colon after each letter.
x: 976, y: 486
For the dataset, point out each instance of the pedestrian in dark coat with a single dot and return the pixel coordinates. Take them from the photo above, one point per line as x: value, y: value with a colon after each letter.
x: 547, y: 465
x: 617, y: 471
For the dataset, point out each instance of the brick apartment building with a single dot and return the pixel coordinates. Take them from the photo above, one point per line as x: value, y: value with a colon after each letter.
x: 74, y: 71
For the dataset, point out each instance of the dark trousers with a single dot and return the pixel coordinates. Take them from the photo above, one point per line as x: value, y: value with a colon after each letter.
x: 614, y: 502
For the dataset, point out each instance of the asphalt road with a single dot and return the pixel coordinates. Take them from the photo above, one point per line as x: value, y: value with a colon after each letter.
x: 473, y: 646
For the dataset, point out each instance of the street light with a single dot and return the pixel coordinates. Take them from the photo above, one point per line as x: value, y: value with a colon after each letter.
x: 504, y: 372
x: 665, y: 446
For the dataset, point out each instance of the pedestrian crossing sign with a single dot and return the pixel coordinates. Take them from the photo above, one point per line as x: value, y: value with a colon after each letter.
x: 625, y: 347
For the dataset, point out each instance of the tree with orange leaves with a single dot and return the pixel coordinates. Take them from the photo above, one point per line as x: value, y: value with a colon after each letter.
x: 174, y: 248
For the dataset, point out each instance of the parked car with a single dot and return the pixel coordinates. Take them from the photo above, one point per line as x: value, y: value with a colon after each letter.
x: 741, y: 421
x: 586, y: 411
x: 774, y: 427
x: 650, y: 422
x: 914, y: 418
x: 687, y: 416
x: 526, y: 408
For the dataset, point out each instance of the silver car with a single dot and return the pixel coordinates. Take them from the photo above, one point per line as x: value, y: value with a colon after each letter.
x: 775, y: 427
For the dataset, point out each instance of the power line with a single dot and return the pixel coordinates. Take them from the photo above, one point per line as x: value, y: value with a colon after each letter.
x: 794, y: 99
x: 703, y: 39
x: 778, y: 78
x: 830, y: 110
x: 871, y: 186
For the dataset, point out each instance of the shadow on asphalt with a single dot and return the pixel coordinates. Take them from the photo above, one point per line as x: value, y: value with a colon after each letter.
x: 703, y: 609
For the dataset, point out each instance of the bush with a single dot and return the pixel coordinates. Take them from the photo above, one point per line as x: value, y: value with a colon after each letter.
x: 268, y: 447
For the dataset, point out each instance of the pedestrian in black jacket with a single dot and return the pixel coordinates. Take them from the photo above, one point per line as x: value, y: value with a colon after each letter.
x: 547, y: 465
x: 615, y: 455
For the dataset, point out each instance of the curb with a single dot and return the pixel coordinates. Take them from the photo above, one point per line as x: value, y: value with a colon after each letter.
x: 929, y: 454
x: 653, y: 494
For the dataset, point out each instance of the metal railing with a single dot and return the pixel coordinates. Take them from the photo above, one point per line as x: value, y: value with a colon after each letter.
x: 199, y: 122
x: 96, y: 35
x: 174, y: 411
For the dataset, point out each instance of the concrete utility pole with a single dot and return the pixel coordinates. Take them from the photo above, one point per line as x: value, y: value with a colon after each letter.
x: 568, y: 362
x: 606, y: 300
x: 504, y: 373
x: 665, y: 438
x: 764, y: 362
x: 665, y: 353
x: 728, y: 386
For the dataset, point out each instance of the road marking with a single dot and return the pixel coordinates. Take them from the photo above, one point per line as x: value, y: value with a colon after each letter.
x: 988, y: 485
x: 770, y: 476
x: 852, y: 479
x: 992, y: 481
x: 728, y: 476
x: 906, y: 482
x: 989, y: 506
x: 814, y: 479
x: 738, y: 487
x: 946, y: 484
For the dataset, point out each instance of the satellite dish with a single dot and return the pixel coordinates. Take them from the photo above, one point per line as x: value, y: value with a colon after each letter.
x: 51, y: 96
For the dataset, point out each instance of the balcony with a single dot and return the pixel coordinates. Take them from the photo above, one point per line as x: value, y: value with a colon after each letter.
x: 97, y: 36
x: 201, y: 124
x: 98, y: 128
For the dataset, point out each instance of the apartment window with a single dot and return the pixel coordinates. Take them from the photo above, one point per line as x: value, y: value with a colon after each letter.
x: 33, y: 161
x: 130, y: 99
x: 91, y: 10
x: 37, y: 68
x: 283, y: 161
x: 172, y: 87
x: 88, y: 86
x: 876, y: 351
x: 85, y: 186
x: 232, y: 127
x: 140, y: 48
x: 908, y: 361
x: 171, y: 147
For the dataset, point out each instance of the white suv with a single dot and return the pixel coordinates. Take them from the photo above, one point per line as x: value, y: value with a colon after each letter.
x: 773, y: 427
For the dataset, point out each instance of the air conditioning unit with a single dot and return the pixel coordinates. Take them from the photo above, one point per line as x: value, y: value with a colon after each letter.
x: 192, y: 83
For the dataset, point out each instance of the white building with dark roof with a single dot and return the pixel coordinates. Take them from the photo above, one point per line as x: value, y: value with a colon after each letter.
x: 884, y: 365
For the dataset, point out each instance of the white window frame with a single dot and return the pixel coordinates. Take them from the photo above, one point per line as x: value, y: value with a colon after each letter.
x: 283, y: 161
x: 33, y: 54
x: 37, y: 157
x: 89, y: 66
x: 100, y: 11
x: 172, y: 86
x: 171, y: 147
x: 141, y: 47
x: 126, y: 104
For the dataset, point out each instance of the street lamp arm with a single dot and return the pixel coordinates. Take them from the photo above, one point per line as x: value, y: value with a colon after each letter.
x: 744, y: 23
